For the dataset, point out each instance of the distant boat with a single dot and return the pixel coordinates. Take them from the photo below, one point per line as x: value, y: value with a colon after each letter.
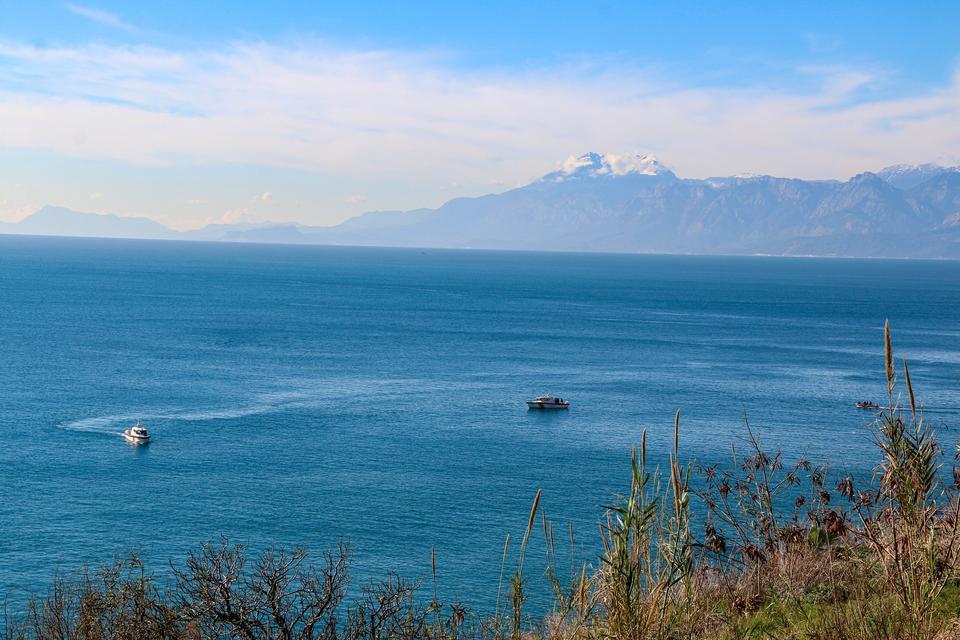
x: 137, y: 434
x: 866, y: 404
x: 548, y: 402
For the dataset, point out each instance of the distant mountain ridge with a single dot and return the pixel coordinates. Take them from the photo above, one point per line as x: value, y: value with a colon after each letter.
x: 606, y: 202
x: 61, y: 221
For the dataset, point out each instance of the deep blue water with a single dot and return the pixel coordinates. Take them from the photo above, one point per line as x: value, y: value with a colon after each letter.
x: 303, y: 395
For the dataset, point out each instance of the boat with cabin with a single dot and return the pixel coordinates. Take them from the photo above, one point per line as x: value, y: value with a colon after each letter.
x: 548, y: 402
x: 137, y: 434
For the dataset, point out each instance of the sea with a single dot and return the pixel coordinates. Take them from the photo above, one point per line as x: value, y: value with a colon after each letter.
x: 308, y: 396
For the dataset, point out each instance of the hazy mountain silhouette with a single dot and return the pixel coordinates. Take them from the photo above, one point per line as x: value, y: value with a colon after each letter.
x: 600, y: 202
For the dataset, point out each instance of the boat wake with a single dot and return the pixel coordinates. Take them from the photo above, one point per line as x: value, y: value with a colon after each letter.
x: 272, y: 402
x: 106, y: 425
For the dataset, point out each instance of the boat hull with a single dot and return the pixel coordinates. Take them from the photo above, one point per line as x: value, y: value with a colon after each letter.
x: 547, y: 405
x: 136, y: 439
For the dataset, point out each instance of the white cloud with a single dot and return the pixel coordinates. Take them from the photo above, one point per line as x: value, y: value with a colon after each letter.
x: 409, y: 117
x: 105, y: 18
x: 15, y: 213
x: 266, y: 196
x: 234, y: 216
x: 355, y: 200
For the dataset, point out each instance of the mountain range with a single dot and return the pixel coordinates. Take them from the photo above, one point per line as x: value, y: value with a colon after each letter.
x: 605, y: 202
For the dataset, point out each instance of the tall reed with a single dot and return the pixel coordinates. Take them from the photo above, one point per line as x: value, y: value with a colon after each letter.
x: 647, y: 550
x: 913, y: 539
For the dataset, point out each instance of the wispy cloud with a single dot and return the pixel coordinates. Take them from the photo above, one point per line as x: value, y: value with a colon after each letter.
x: 412, y: 116
x: 235, y: 216
x: 105, y: 18
x: 16, y: 213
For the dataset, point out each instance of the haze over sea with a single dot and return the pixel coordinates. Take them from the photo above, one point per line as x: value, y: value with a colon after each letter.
x: 303, y: 395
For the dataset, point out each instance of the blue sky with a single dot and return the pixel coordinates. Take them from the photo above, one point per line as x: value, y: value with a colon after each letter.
x: 193, y: 113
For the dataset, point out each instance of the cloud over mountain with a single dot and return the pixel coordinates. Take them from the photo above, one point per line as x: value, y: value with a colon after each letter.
x: 591, y: 165
x: 350, y: 112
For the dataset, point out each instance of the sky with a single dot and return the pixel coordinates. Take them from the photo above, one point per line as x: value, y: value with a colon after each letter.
x: 194, y: 113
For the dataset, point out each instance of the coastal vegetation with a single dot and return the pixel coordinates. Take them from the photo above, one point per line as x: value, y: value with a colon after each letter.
x: 761, y: 548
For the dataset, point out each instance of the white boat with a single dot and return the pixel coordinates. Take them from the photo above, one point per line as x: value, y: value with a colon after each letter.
x: 137, y: 434
x: 548, y: 402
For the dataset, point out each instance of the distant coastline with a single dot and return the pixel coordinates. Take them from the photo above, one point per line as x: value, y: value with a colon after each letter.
x: 484, y: 249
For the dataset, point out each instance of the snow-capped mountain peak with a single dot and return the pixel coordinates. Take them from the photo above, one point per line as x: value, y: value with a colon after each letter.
x: 906, y: 176
x: 591, y: 163
x: 608, y: 164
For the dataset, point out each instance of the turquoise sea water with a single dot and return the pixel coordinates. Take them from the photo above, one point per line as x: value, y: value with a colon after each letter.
x: 303, y: 395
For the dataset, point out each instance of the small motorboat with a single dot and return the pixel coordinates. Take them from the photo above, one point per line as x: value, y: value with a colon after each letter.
x: 548, y: 402
x: 866, y: 404
x: 137, y: 434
